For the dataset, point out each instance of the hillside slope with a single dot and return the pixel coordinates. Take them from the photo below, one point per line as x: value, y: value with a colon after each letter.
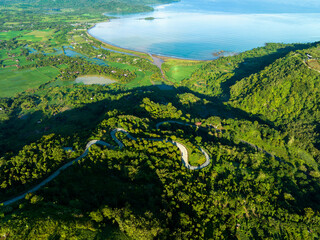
x: 286, y: 93
x: 215, y: 77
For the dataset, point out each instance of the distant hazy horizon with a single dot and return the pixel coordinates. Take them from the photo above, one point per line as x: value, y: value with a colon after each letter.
x: 262, y: 6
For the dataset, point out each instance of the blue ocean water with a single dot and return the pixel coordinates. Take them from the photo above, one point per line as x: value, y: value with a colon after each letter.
x: 196, y: 29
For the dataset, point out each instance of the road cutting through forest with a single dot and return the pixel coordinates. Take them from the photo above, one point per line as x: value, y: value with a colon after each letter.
x: 182, y: 148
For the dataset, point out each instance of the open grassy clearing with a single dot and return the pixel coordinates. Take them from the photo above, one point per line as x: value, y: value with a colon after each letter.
x: 314, y: 64
x: 62, y: 66
x: 79, y: 39
x: 177, y: 70
x: 50, y: 72
x: 196, y: 158
x: 13, y: 82
x: 122, y: 66
x: 38, y: 35
x: 11, y: 23
x: 142, y: 79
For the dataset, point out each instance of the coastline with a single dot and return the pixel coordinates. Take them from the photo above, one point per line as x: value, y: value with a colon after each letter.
x: 140, y: 54
x: 116, y: 48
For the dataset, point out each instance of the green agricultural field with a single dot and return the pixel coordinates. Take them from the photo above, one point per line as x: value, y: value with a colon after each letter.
x: 11, y: 34
x: 38, y: 35
x: 59, y: 83
x: 9, y: 62
x: 122, y: 66
x: 24, y: 61
x: 16, y: 50
x: 11, y: 23
x: 177, y: 70
x: 13, y: 82
x: 50, y: 72
x: 62, y: 66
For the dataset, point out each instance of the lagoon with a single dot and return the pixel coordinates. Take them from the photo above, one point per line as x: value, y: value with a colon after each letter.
x: 196, y: 29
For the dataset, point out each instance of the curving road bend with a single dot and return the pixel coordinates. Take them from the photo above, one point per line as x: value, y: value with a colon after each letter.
x: 243, y: 141
x: 182, y: 148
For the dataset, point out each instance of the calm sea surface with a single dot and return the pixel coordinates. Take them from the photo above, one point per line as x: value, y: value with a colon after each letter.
x: 196, y: 29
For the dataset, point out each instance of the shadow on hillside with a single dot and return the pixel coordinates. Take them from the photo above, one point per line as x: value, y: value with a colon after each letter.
x: 21, y: 130
x: 216, y: 107
x: 77, y: 125
x: 91, y: 185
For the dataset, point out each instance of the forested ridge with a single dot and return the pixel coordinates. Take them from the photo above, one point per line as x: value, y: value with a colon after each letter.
x: 256, y: 114
x: 103, y: 6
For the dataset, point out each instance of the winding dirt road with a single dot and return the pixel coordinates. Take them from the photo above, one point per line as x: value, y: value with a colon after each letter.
x: 182, y: 148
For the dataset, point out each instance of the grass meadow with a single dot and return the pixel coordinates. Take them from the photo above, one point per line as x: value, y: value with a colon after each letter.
x: 177, y: 70
x: 17, y: 81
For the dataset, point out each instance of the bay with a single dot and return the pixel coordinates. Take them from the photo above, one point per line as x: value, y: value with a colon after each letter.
x: 197, y: 29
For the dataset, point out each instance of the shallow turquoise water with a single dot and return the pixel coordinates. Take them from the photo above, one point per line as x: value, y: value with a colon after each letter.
x: 196, y: 29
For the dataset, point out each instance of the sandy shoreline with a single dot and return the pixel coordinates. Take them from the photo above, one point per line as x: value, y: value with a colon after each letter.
x: 116, y: 48
x: 140, y: 54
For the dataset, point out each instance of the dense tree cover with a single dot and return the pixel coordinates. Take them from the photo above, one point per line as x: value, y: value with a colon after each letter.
x: 23, y: 20
x: 148, y: 194
x: 157, y: 110
x: 55, y: 222
x: 103, y: 6
x: 287, y: 94
x: 57, y: 110
x: 288, y: 89
x: 32, y: 163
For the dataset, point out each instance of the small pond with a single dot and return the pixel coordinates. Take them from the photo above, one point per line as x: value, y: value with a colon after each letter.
x: 101, y: 80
